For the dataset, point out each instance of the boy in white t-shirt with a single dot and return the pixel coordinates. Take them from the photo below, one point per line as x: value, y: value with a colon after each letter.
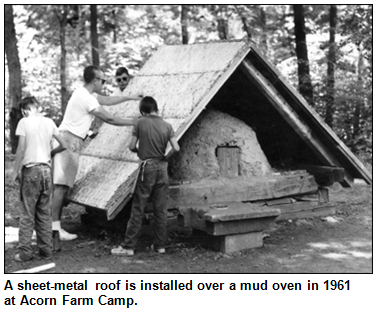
x: 33, y: 157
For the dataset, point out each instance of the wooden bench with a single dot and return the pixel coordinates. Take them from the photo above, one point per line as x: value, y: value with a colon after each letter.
x: 232, y: 226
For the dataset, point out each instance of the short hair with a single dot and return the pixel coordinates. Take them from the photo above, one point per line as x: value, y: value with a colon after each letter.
x: 90, y: 73
x: 28, y: 102
x: 121, y: 70
x: 147, y: 105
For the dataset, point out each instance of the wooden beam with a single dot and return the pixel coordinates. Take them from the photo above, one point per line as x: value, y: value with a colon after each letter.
x: 241, y: 189
x: 326, y: 175
x: 290, y: 116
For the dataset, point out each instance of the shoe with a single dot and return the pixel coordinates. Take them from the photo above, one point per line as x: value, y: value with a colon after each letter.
x: 120, y: 251
x: 160, y: 250
x: 44, y: 254
x: 19, y: 259
x: 65, y: 236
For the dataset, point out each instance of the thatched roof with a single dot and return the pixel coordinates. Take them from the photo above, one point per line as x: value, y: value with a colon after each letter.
x: 183, y: 79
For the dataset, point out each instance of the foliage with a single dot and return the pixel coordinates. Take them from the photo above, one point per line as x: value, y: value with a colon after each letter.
x: 128, y: 34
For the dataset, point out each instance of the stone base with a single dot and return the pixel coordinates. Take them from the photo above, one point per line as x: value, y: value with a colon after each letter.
x: 233, y: 242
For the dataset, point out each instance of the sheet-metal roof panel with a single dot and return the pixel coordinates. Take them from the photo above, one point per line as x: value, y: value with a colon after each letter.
x: 100, y: 182
x: 176, y: 95
x: 112, y: 142
x: 195, y: 58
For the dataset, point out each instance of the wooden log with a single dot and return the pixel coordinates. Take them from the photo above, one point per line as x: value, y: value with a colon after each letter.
x: 279, y: 201
x: 228, y: 218
x: 239, y: 226
x: 238, y: 211
x: 297, y: 207
x: 241, y: 189
x: 325, y: 176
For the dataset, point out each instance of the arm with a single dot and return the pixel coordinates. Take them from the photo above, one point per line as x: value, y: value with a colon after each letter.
x: 19, y: 156
x: 62, y: 145
x: 106, y: 117
x: 114, y: 100
x: 133, y: 144
x: 175, y: 148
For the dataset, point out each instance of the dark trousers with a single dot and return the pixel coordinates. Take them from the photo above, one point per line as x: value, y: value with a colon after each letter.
x: 36, y: 190
x: 152, y: 186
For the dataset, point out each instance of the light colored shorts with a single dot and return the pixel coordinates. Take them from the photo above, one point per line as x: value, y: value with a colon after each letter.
x: 66, y: 163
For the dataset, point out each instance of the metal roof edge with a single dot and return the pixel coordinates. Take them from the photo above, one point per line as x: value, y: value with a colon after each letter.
x: 347, y: 153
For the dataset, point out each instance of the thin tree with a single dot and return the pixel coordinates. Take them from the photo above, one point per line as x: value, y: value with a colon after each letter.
x: 331, y: 60
x: 304, y: 80
x: 222, y: 26
x: 94, y: 34
x: 184, y: 23
x: 62, y: 16
x: 14, y: 70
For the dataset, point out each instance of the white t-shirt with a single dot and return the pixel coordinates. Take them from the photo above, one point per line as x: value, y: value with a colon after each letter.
x: 77, y: 118
x: 38, y: 131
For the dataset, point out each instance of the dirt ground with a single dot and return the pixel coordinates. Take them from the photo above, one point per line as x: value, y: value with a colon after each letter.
x: 338, y: 244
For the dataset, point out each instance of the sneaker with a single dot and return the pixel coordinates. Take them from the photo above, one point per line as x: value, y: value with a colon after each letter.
x: 160, y: 250
x: 65, y: 236
x: 120, y: 251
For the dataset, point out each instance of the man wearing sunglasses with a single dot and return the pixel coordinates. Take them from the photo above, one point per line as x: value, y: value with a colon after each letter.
x: 84, y: 104
x: 122, y: 78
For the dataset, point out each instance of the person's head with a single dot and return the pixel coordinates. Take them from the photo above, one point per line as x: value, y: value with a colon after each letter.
x: 94, y: 75
x: 148, y: 105
x: 29, y: 105
x: 122, y: 77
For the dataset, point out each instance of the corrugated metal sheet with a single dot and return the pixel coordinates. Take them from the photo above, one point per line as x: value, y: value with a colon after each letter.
x: 181, y: 79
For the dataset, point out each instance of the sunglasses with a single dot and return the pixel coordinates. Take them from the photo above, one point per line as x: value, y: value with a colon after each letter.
x: 122, y: 79
x: 103, y: 80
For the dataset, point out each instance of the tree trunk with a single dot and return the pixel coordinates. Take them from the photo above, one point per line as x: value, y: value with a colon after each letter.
x: 94, y: 34
x: 63, y: 59
x: 331, y: 60
x: 14, y: 69
x: 115, y: 27
x: 245, y: 26
x: 264, y: 30
x: 184, y: 23
x: 304, y: 81
x: 222, y: 26
x: 358, y: 102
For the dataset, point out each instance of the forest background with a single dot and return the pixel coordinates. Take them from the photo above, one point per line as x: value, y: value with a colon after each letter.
x: 325, y: 51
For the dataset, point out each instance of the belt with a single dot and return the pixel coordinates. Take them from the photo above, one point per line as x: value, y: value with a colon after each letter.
x: 32, y: 164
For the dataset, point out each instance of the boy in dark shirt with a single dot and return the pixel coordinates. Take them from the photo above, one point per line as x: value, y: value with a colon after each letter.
x: 153, y: 135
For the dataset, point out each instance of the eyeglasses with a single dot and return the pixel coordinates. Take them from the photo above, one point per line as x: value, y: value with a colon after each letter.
x: 122, y: 79
x: 103, y: 80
